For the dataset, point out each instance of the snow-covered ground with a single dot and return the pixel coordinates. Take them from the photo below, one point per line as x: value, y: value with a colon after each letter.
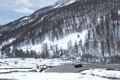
x: 62, y: 43
x: 96, y: 74
x: 61, y: 3
x: 31, y: 62
x: 22, y: 69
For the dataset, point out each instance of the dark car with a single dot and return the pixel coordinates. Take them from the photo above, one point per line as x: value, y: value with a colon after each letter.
x: 78, y: 65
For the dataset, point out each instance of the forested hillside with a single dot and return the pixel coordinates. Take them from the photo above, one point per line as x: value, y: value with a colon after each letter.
x: 81, y: 29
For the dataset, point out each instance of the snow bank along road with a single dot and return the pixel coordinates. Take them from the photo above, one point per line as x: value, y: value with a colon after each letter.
x: 71, y: 69
x: 25, y: 69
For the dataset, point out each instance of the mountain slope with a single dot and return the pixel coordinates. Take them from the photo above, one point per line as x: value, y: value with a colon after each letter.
x: 84, y: 29
x: 62, y: 3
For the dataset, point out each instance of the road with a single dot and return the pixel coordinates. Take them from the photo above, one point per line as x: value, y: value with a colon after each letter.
x: 71, y: 69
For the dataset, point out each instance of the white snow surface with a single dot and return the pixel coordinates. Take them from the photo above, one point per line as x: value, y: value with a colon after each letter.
x: 103, y: 73
x: 62, y: 3
x: 119, y: 12
x: 31, y: 63
x: 26, y: 18
x: 23, y: 67
x: 62, y: 43
x: 8, y: 41
x: 50, y: 76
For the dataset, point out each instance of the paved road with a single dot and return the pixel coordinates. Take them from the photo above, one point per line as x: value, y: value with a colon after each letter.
x: 71, y: 69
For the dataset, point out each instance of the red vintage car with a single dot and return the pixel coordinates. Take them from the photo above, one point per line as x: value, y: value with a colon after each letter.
x: 78, y: 65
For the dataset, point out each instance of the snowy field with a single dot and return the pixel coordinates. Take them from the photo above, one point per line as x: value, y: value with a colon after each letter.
x: 27, y: 69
